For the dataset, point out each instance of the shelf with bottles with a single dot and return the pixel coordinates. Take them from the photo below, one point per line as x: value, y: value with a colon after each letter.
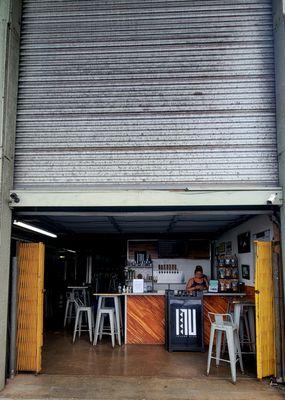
x: 227, y: 267
x: 137, y: 273
x: 144, y: 264
x: 141, y: 268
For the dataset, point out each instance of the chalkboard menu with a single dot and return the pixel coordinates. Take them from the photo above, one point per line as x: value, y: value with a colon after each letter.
x: 172, y: 248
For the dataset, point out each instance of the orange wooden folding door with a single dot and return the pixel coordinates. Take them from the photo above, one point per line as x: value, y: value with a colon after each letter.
x: 264, y: 300
x: 30, y: 306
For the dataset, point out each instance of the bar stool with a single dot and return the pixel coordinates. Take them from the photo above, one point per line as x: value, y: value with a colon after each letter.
x: 81, y: 292
x: 99, y: 328
x: 117, y: 308
x: 247, y: 327
x: 243, y: 315
x: 223, y: 323
x: 70, y: 307
x: 81, y: 310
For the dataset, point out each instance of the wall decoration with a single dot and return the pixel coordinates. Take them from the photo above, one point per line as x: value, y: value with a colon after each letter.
x: 263, y: 236
x: 229, y: 247
x: 244, y: 242
x: 245, y: 271
x: 221, y: 248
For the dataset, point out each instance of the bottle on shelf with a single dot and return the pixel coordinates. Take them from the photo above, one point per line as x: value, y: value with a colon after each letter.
x: 228, y: 272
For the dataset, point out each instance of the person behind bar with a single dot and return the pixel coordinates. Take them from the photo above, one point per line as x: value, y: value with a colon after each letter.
x: 199, y: 282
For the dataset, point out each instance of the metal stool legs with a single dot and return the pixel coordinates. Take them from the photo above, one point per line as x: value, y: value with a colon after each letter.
x: 99, y: 327
x: 80, y: 310
x: 70, y: 305
x: 230, y: 330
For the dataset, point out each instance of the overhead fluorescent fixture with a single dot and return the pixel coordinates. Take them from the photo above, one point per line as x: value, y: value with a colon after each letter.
x: 34, y: 228
x: 70, y: 251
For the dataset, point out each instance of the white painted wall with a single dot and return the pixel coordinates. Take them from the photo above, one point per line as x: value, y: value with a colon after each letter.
x: 186, y: 265
x: 254, y: 225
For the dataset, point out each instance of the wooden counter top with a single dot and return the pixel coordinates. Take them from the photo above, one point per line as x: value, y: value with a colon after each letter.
x: 204, y: 294
x: 224, y: 294
x: 144, y: 294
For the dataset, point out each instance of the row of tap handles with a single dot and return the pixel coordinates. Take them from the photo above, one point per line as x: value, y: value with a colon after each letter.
x: 167, y: 269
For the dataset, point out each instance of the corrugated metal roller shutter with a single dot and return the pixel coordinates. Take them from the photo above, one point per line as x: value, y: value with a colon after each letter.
x: 146, y: 92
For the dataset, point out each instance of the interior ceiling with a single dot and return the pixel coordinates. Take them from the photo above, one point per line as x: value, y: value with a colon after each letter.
x: 213, y: 222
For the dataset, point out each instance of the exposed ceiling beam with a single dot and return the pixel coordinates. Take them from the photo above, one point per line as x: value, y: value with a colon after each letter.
x: 115, y: 224
x: 136, y: 214
x: 239, y: 197
x: 233, y: 225
x: 51, y: 224
x: 172, y: 223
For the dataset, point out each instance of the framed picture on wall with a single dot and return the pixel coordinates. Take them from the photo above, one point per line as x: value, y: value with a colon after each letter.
x: 229, y: 248
x: 220, y: 248
x: 245, y: 271
x: 244, y: 242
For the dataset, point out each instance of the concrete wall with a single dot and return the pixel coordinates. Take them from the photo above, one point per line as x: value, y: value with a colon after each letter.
x: 254, y: 225
x: 10, y: 11
x: 279, y: 39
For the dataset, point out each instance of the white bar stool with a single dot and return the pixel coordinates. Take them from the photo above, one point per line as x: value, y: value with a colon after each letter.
x: 80, y: 310
x: 224, y: 323
x: 247, y: 327
x: 99, y: 327
x: 117, y: 308
x: 244, y: 318
x: 81, y: 292
x: 70, y: 308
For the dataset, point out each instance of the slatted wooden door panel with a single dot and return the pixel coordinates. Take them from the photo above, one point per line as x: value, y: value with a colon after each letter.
x: 30, y: 306
x: 264, y: 299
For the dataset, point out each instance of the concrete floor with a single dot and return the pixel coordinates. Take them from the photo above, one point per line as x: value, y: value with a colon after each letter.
x: 60, y: 357
x: 81, y: 371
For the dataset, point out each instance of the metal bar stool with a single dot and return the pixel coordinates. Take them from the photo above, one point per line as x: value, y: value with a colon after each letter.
x: 242, y: 312
x: 70, y: 308
x: 223, y: 323
x: 81, y: 310
x: 99, y: 327
x: 247, y: 327
x: 117, y: 309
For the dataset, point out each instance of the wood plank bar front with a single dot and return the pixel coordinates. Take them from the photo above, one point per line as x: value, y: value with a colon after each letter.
x: 145, y: 316
x: 145, y: 319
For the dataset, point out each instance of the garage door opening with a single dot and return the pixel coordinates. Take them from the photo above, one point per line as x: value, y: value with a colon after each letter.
x: 148, y: 259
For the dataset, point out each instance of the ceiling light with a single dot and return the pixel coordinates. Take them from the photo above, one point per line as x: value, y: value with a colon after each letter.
x: 70, y: 251
x: 33, y: 228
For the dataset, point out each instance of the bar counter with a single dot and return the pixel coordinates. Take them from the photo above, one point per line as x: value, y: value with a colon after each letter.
x: 144, y: 318
x: 145, y: 315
